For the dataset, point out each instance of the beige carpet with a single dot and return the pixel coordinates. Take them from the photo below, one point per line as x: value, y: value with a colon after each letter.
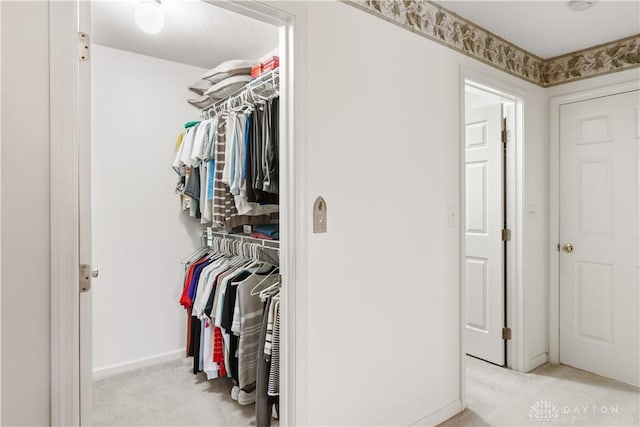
x: 168, y: 395
x: 552, y: 395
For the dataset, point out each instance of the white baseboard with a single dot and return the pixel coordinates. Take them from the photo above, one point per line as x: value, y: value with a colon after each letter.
x: 536, y: 361
x: 120, y: 368
x: 441, y: 415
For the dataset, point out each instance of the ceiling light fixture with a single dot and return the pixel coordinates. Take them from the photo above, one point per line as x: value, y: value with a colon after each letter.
x: 149, y: 16
x: 578, y: 5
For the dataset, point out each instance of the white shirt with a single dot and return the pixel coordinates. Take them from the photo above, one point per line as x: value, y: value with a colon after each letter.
x: 198, y: 142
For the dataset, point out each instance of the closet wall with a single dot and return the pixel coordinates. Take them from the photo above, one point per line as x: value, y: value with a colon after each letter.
x: 140, y: 234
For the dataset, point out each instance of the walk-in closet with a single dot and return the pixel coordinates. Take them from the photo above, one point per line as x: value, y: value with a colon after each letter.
x: 186, y: 198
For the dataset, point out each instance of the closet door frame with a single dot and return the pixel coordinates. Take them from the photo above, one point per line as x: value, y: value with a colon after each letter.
x: 515, y: 195
x: 554, y: 200
x: 70, y: 128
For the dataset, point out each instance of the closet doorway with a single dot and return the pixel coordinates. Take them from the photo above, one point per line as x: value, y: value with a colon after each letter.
x: 489, y: 185
x: 139, y: 228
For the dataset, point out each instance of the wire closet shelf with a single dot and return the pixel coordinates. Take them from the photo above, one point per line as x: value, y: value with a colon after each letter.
x: 257, y: 91
x: 239, y: 244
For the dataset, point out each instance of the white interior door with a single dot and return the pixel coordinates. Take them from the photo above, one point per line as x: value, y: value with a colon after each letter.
x: 599, y: 281
x: 483, y: 234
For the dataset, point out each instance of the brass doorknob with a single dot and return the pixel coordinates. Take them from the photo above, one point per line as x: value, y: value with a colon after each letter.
x: 568, y: 248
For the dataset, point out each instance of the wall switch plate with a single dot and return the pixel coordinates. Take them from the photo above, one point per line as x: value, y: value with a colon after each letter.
x: 320, y: 216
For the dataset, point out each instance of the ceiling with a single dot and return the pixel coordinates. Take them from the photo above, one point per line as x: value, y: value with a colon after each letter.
x: 549, y: 28
x: 195, y: 32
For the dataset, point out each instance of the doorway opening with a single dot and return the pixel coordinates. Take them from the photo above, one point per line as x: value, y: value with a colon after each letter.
x: 174, y: 99
x: 489, y: 142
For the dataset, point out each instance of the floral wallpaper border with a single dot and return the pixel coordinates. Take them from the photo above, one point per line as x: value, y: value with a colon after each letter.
x: 595, y: 61
x: 436, y: 23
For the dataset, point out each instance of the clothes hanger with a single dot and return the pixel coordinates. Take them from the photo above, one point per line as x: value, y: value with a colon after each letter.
x: 241, y: 103
x: 238, y: 259
x: 260, y: 98
x: 253, y: 291
x: 270, y: 289
x: 250, y: 261
x: 235, y: 258
x: 192, y: 256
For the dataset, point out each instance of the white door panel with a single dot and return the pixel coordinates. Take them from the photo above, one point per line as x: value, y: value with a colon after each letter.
x: 599, y: 282
x: 483, y: 241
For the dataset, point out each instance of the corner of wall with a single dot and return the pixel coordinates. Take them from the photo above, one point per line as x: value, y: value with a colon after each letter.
x: 441, y: 415
x: 536, y: 361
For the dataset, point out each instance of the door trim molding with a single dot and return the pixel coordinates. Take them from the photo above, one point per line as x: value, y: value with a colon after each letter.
x: 292, y: 218
x: 64, y: 205
x: 554, y: 199
x: 515, y: 283
x: 65, y: 134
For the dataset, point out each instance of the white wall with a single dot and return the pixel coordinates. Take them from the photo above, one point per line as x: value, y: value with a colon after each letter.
x: 382, y: 134
x: 139, y: 232
x: 25, y: 214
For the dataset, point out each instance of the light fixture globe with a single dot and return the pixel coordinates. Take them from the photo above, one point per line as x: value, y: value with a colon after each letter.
x: 579, y: 5
x: 149, y: 17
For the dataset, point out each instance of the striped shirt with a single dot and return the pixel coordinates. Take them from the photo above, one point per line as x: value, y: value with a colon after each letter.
x: 225, y: 214
x: 274, y: 373
x: 250, y: 311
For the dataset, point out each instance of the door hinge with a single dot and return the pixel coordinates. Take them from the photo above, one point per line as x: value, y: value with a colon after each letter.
x: 85, y: 277
x: 83, y: 46
x: 506, y: 333
x: 504, y: 133
x: 506, y: 235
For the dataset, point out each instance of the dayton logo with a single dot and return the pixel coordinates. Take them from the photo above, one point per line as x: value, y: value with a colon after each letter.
x: 544, y: 412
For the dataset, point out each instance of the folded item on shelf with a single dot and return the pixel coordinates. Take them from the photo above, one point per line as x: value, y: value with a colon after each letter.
x: 271, y: 64
x: 200, y: 87
x: 257, y: 235
x: 256, y: 71
x: 203, y: 101
x: 227, y: 86
x: 271, y: 230
x: 228, y: 69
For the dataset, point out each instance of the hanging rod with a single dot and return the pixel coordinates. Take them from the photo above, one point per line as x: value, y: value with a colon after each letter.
x: 267, y: 244
x: 266, y: 85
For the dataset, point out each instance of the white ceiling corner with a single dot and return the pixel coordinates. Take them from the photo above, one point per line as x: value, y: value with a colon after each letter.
x: 195, y: 32
x: 549, y: 28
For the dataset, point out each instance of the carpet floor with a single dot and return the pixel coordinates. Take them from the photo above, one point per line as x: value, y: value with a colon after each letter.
x: 168, y: 395
x: 551, y: 395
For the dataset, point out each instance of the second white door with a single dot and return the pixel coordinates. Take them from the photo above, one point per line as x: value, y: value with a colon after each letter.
x: 484, y: 254
x: 599, y: 231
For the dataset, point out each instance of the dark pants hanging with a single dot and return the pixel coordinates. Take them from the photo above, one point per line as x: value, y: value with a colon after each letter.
x: 233, y: 358
x: 264, y: 402
x: 195, y: 341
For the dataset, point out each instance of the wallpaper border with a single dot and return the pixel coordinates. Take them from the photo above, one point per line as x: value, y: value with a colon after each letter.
x: 439, y: 24
x: 606, y: 58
